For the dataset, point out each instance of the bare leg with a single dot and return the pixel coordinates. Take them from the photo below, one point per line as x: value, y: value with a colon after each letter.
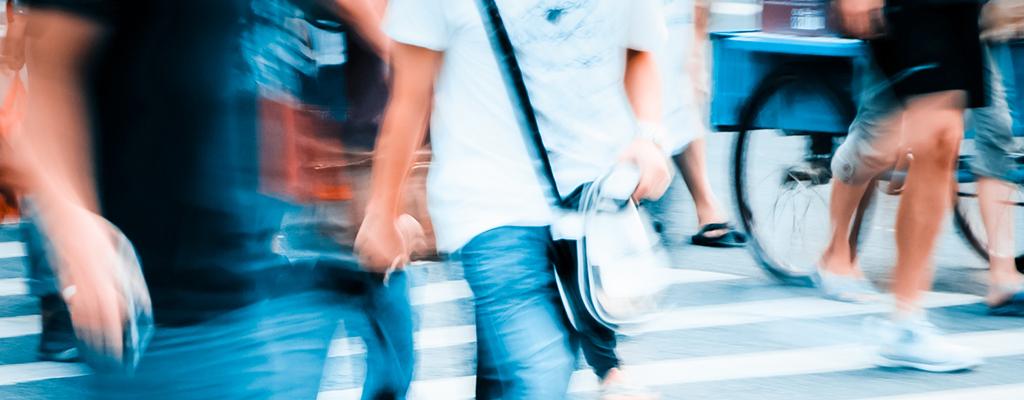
x: 838, y: 257
x: 997, y: 215
x: 933, y: 128
x: 693, y: 164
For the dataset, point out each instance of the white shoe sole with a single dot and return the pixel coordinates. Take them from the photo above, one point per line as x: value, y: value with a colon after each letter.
x: 884, y: 362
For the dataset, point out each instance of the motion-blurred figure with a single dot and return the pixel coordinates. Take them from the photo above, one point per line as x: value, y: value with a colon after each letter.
x: 57, y: 337
x: 329, y: 115
x: 1003, y: 20
x: 146, y: 112
x: 931, y: 56
x: 682, y: 61
x: 585, y: 64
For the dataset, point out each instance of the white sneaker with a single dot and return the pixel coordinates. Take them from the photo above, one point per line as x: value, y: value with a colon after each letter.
x: 917, y: 344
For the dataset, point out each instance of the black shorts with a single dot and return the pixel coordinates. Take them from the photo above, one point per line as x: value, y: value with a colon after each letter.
x: 930, y: 48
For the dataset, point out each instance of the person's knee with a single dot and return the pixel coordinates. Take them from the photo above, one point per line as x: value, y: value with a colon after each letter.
x: 935, y: 127
x: 853, y: 165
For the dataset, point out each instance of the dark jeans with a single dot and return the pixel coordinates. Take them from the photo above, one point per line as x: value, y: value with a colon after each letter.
x: 380, y: 314
x: 42, y: 280
x: 598, y: 347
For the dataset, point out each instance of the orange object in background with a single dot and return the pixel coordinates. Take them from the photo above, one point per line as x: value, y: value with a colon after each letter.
x: 12, y: 112
x: 303, y: 162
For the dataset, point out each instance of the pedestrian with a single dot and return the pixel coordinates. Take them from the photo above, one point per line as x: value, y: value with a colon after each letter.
x: 146, y: 113
x: 872, y: 146
x: 995, y: 164
x: 593, y: 83
x: 931, y: 56
x: 319, y: 231
x: 682, y: 61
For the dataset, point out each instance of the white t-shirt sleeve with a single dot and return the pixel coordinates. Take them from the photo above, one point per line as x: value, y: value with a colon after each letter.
x: 418, y: 23
x: 646, y: 25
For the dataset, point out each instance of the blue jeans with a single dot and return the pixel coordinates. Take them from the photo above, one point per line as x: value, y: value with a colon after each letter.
x: 380, y: 314
x: 273, y: 349
x: 42, y: 279
x: 525, y: 349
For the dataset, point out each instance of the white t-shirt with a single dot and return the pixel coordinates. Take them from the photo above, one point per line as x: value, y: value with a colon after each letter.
x: 573, y: 56
x: 684, y: 114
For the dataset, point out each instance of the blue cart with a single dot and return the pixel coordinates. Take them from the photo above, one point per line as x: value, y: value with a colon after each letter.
x: 791, y: 99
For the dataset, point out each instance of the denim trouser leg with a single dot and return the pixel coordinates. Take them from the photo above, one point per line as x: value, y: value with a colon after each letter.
x: 525, y: 348
x: 42, y: 279
x: 312, y: 234
x: 389, y: 340
x: 272, y: 350
x: 993, y: 125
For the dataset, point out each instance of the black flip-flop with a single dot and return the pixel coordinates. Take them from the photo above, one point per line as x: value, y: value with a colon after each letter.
x: 1011, y: 307
x: 730, y: 239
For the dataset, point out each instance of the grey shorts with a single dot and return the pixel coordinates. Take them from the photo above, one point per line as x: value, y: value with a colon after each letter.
x: 871, y: 147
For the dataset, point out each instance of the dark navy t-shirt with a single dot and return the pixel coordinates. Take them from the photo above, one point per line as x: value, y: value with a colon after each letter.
x: 176, y: 144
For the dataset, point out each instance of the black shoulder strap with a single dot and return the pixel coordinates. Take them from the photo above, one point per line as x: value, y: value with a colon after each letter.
x: 505, y: 54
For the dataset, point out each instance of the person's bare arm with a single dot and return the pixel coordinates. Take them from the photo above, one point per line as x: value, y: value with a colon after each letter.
x: 14, y: 42
x: 862, y: 18
x: 56, y: 155
x: 383, y: 240
x: 643, y: 87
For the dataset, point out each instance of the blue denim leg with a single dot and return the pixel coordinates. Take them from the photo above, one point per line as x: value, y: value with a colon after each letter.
x: 42, y: 279
x: 993, y: 125
x: 272, y: 350
x: 525, y: 349
x: 388, y: 338
x: 381, y: 315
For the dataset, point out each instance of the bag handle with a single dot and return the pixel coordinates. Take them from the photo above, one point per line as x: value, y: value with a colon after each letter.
x: 505, y: 54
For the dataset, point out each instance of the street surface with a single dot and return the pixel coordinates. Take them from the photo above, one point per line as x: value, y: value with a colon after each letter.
x: 729, y: 333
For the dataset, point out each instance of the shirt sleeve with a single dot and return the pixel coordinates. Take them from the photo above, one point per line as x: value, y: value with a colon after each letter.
x: 418, y: 23
x: 647, y: 28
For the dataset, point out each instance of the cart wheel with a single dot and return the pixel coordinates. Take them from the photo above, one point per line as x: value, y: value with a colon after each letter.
x: 782, y: 183
x: 967, y: 216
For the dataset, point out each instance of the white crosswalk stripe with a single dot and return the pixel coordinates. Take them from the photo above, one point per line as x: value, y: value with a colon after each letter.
x: 1000, y: 392
x: 12, y: 250
x: 721, y: 368
x: 788, y: 360
x: 13, y: 287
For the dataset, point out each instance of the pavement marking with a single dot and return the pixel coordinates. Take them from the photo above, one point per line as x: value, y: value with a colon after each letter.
x: 770, y: 364
x: 13, y: 287
x: 442, y: 292
x: 987, y: 392
x: 699, y: 317
x: 13, y: 374
x: 19, y: 326
x: 735, y: 8
x: 12, y: 250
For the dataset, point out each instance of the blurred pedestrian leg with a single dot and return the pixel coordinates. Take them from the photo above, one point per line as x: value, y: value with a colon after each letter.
x: 57, y: 339
x: 379, y: 313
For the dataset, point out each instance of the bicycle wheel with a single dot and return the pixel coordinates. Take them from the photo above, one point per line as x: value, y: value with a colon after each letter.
x: 782, y: 184
x: 968, y: 221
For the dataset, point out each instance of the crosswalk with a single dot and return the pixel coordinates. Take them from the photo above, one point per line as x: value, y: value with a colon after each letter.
x: 723, y: 336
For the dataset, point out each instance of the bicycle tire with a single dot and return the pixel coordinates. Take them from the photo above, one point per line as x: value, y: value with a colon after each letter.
x: 969, y: 231
x: 770, y: 86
